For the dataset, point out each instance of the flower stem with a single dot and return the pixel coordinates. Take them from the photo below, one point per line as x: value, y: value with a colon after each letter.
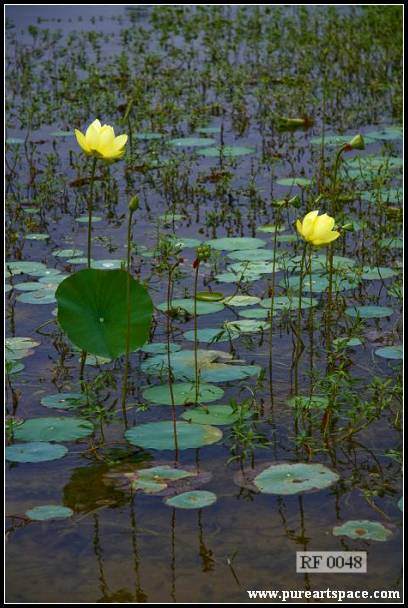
x: 271, y: 310
x: 169, y: 370
x: 196, y: 371
x: 128, y: 310
x: 299, y: 318
x: 90, y: 205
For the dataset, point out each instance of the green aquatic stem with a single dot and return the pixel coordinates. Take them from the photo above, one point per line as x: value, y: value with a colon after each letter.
x: 128, y: 309
x: 196, y: 370
x: 271, y: 310
x: 169, y: 370
x: 299, y: 319
x: 90, y: 208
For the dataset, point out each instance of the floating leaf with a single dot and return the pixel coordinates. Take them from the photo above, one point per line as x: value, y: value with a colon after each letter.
x: 43, y: 296
x: 67, y: 253
x: 183, y: 392
x: 363, y: 529
x: 160, y: 435
x: 241, y: 300
x: 36, y: 236
x: 36, y: 451
x: 235, y: 243
x: 187, y: 304
x: 288, y: 303
x: 252, y: 255
x: 45, y: 512
x: 390, y: 352
x: 192, y: 500
x: 217, y: 415
x: 347, y: 342
x: 92, y: 310
x: 378, y: 273
x: 53, y: 429
x: 369, y: 312
x: 107, y: 264
x: 209, y: 296
x: 226, y: 151
x: 255, y: 313
x: 247, y: 326
x: 158, y: 348
x: 64, y: 401
x: 191, y: 142
x: 294, y: 181
x: 16, y: 267
x: 211, y: 335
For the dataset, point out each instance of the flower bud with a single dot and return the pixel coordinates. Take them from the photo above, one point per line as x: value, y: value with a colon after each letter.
x: 357, y: 143
x: 203, y: 252
x: 134, y: 203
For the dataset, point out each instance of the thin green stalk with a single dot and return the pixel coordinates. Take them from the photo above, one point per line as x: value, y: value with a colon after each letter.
x: 169, y: 370
x: 128, y: 311
x: 299, y: 318
x: 90, y: 206
x: 271, y: 310
x: 196, y: 370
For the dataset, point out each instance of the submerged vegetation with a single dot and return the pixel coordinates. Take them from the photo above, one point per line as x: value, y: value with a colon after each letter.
x: 206, y: 307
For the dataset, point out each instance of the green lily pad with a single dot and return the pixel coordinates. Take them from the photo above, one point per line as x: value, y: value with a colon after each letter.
x: 390, y: 352
x: 19, y: 343
x: 149, y: 136
x: 64, y: 401
x: 187, y: 304
x: 67, y: 253
x: 377, y: 273
x: 369, y: 312
x: 35, y: 451
x: 16, y: 267
x: 235, y: 243
x: 160, y: 435
x: 288, y: 478
x: 318, y: 283
x: 211, y: 335
x: 14, y: 141
x: 92, y: 311
x: 79, y: 261
x: 294, y: 181
x: 241, y: 300
x: 233, y: 277
x: 393, y: 242
x: 45, y: 273
x: 43, y: 296
x: 191, y: 142
x: 400, y: 503
x: 363, y: 529
x: 226, y: 151
x: 61, y: 134
x: 213, y: 366
x: 247, y: 326
x: 183, y: 392
x: 218, y: 415
x: 53, y: 429
x: 247, y: 269
x: 13, y: 367
x: 254, y: 313
x: 252, y: 255
x: 209, y: 130
x: 45, y: 512
x: 192, y: 500
x: 209, y: 296
x: 29, y: 286
x: 387, y: 134
x: 186, y: 243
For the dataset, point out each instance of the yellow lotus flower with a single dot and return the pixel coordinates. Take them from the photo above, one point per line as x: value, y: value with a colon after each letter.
x: 317, y: 229
x: 100, y: 141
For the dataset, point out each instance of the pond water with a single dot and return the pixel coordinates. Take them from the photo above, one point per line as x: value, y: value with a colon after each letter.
x: 237, y: 73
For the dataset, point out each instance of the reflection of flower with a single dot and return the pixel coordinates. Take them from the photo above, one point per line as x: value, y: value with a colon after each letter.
x: 100, y: 141
x: 317, y: 229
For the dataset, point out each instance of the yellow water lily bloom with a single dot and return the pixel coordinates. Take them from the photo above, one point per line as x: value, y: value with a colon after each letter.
x: 100, y: 141
x: 317, y: 229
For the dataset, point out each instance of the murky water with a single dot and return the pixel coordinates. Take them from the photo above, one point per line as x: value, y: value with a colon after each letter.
x: 123, y: 548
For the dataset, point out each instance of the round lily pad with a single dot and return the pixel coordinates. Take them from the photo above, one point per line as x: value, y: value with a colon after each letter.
x: 19, y: 343
x: 247, y: 326
x: 53, y: 429
x: 17, y: 267
x: 288, y: 303
x: 191, y: 142
x: 294, y: 478
x: 294, y: 181
x: 29, y: 286
x: 67, y: 253
x: 14, y: 141
x: 36, y: 236
x: 252, y: 255
x: 160, y: 435
x: 149, y: 136
x: 347, y: 342
x: 369, y: 312
x: 209, y: 130
x: 186, y: 243
x: 45, y: 512
x: 390, y: 352
x: 192, y: 500
x: 61, y: 134
x: 183, y: 392
x: 254, y: 313
x: 92, y: 311
x: 363, y: 529
x: 378, y: 273
x: 35, y: 451
x: 64, y: 401
x: 235, y: 243
x: 393, y: 242
x: 226, y: 151
x: 211, y: 334
x: 400, y: 503
x: 84, y: 219
x: 241, y: 300
x: 187, y: 304
x: 43, y: 296
x: 218, y: 415
x: 233, y: 277
x: 209, y: 296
